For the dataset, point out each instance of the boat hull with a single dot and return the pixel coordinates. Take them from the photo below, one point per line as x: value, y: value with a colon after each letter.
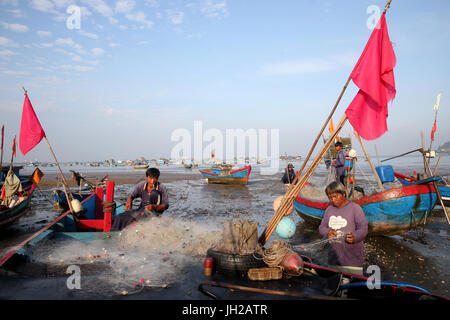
x: 391, y: 212
x: 10, y: 216
x: 444, y: 189
x: 239, y: 176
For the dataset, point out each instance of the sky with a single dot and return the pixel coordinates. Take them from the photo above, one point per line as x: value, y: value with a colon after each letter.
x: 115, y: 79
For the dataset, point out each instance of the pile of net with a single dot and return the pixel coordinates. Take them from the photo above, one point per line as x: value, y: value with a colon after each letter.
x: 154, y: 252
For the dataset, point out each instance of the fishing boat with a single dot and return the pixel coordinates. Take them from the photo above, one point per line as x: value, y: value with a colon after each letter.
x: 141, y: 167
x: 444, y: 188
x: 93, y: 223
x: 224, y: 174
x: 391, y: 212
x: 11, y: 214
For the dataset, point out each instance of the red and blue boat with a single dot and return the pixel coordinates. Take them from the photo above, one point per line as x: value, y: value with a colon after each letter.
x: 444, y: 188
x: 224, y: 175
x: 391, y: 212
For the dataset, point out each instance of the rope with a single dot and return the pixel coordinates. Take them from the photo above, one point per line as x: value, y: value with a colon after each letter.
x: 109, y: 206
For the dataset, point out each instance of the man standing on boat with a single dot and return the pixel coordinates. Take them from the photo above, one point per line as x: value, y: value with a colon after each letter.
x: 339, y: 163
x: 154, y: 201
x: 289, y: 174
x: 345, y: 222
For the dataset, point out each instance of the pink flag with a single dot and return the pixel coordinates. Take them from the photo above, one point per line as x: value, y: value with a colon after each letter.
x: 374, y: 76
x: 31, y: 132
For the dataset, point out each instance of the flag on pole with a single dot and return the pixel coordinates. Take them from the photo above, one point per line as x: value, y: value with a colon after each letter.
x: 374, y: 76
x: 436, y: 108
x: 31, y: 132
x: 14, y: 147
x: 3, y: 134
x: 433, y: 131
x: 331, y: 126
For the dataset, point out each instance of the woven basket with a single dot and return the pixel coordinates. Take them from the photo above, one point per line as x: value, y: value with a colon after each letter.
x: 263, y: 274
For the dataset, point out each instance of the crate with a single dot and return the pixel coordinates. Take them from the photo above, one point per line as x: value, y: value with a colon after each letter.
x: 264, y: 274
x: 386, y: 173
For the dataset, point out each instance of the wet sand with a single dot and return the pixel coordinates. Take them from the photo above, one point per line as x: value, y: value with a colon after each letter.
x: 425, y: 263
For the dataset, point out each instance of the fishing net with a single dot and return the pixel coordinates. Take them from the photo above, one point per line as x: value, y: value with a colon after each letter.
x: 154, y: 252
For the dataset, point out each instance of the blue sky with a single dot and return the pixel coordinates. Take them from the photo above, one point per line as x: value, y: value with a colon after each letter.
x: 135, y: 71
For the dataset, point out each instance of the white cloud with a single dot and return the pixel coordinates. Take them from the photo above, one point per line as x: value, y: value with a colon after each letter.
x: 76, y: 68
x: 14, y: 3
x: 308, y: 65
x: 139, y: 17
x: 125, y: 6
x: 7, y: 42
x: 42, y: 33
x: 45, y: 45
x: 15, y: 73
x: 215, y: 9
x: 100, y: 7
x: 42, y: 5
x: 152, y: 3
x: 113, y: 44
x: 17, y: 13
x: 175, y: 17
x: 98, y: 52
x: 14, y: 27
x: 88, y: 34
x: 68, y: 42
x: 6, y: 52
x: 143, y: 42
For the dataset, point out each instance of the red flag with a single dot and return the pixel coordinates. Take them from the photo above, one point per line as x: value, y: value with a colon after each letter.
x: 31, y: 132
x: 14, y: 147
x: 3, y: 134
x: 433, y: 131
x: 374, y: 76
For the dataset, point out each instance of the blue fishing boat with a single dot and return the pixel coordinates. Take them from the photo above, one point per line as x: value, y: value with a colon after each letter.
x: 223, y: 174
x: 391, y: 212
x: 93, y: 223
x: 444, y: 188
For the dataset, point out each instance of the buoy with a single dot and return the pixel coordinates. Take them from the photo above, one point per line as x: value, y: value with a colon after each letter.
x: 76, y: 205
x: 209, y: 265
x: 286, y: 228
x: 277, y: 202
x: 292, y: 262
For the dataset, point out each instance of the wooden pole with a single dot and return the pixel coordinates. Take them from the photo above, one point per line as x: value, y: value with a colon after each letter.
x: 286, y: 201
x: 437, y: 165
x: 438, y: 193
x: 65, y: 185
x: 424, y: 156
x: 323, y: 129
x: 371, y: 163
x: 354, y: 178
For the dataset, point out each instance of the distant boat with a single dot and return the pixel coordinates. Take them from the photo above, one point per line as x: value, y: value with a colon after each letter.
x: 391, y: 212
x: 188, y: 166
x: 141, y: 167
x: 443, y: 187
x: 9, y: 216
x: 224, y: 174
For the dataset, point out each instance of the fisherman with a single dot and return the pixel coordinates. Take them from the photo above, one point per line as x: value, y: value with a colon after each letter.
x: 154, y: 201
x: 339, y: 163
x: 289, y: 174
x: 344, y: 222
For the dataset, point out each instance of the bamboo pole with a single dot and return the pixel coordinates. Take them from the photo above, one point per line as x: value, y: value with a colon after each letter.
x: 323, y: 128
x: 438, y: 193
x: 370, y: 162
x: 293, y: 191
x: 437, y: 165
x: 425, y: 161
x: 298, y: 184
x: 354, y: 178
